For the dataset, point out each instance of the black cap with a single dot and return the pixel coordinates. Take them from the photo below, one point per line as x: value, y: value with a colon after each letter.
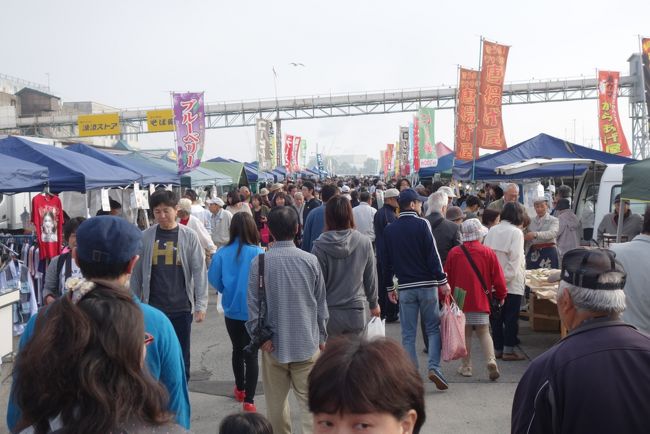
x: 583, y: 266
x: 114, y: 204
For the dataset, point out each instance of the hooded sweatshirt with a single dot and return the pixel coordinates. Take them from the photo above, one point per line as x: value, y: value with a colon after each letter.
x: 348, y: 264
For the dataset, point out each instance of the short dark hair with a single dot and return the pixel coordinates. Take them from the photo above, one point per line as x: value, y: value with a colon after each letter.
x: 114, y: 204
x: 364, y: 196
x: 163, y: 197
x: 234, y: 196
x: 249, y: 423
x: 328, y: 191
x: 513, y: 212
x: 489, y: 216
x: 283, y: 221
x: 646, y: 220
x: 308, y: 185
x: 354, y: 194
x: 70, y: 227
x: 473, y: 200
x: 399, y: 183
x: 190, y: 194
x: 338, y: 214
x: 102, y: 270
x: 498, y: 192
x: 353, y: 376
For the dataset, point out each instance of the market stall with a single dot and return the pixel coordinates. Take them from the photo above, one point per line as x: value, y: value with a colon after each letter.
x: 542, y: 304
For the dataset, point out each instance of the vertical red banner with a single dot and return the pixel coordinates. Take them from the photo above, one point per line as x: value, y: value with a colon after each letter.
x: 466, y: 114
x: 416, y: 144
x: 612, y: 138
x: 390, y: 151
x: 489, y: 132
x: 288, y: 152
x: 297, y: 141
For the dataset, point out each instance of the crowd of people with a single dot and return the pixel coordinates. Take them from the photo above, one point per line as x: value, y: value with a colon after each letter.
x: 301, y: 268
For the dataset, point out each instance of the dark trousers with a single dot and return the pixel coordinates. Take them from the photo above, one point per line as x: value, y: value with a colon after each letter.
x: 244, y: 367
x: 182, y: 323
x: 505, y: 329
x: 389, y: 311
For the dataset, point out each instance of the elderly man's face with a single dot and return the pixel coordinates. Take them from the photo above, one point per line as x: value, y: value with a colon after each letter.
x: 511, y: 195
x: 214, y: 208
x: 540, y: 209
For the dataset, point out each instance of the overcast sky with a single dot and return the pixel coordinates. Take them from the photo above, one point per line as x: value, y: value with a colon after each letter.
x: 133, y: 53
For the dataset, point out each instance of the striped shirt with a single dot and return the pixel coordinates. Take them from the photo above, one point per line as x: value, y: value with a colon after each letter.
x: 295, y: 296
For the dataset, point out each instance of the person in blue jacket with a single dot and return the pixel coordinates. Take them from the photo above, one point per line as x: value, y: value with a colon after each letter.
x: 113, y: 239
x: 315, y: 223
x: 229, y: 274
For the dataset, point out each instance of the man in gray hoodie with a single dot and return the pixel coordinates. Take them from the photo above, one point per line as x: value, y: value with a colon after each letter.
x: 347, y: 261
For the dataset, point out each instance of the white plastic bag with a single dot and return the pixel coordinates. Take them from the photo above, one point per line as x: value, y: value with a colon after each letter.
x: 376, y: 328
x: 452, y: 331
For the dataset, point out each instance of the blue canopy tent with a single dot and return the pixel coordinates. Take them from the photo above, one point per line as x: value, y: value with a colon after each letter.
x: 445, y: 166
x: 150, y: 172
x: 68, y: 171
x: 17, y: 176
x: 540, y: 146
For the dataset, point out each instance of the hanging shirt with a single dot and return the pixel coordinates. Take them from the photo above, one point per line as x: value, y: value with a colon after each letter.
x: 47, y: 216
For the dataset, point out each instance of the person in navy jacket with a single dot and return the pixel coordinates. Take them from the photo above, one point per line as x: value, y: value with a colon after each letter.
x: 412, y: 256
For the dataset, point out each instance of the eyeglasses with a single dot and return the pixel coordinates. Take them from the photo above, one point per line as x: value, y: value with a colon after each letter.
x: 148, y: 338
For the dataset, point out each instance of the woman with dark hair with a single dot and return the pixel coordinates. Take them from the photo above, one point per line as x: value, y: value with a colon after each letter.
x: 236, y: 203
x: 260, y: 214
x: 403, y: 184
x: 281, y: 199
x: 507, y: 241
x: 229, y: 274
x: 83, y: 370
x: 490, y: 217
x: 370, y: 384
x: 348, y: 264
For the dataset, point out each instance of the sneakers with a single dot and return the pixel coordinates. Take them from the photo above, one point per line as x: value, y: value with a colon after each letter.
x: 513, y: 357
x: 249, y: 407
x: 438, y: 380
x: 493, y: 371
x: 240, y: 395
x: 465, y: 371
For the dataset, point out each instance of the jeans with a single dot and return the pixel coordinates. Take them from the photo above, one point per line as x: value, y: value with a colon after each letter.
x: 424, y: 301
x: 244, y: 367
x: 182, y: 323
x: 505, y: 330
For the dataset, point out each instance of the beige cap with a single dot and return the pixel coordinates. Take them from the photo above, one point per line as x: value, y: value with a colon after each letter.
x: 276, y: 187
x: 391, y: 192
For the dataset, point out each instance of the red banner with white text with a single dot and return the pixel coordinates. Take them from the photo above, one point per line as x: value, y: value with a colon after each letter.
x: 288, y: 152
x: 612, y: 138
x: 489, y: 131
x: 297, y: 141
x: 466, y: 114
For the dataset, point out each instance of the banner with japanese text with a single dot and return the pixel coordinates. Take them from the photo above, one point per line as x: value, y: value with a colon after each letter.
x: 489, y: 131
x: 297, y: 143
x: 404, y: 151
x: 382, y: 161
x: 107, y: 124
x: 319, y: 163
x: 612, y: 138
x: 189, y: 123
x: 303, y: 153
x: 272, y: 146
x: 288, y: 152
x: 263, y: 141
x: 410, y: 154
x: 645, y: 56
x: 416, y: 144
x: 426, y: 138
x: 466, y: 113
x: 160, y: 120
x: 390, y: 157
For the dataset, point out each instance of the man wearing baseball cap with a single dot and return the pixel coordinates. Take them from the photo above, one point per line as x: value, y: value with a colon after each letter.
x: 219, y: 221
x: 106, y: 252
x: 632, y: 223
x: 412, y: 256
x: 596, y: 379
x: 386, y: 215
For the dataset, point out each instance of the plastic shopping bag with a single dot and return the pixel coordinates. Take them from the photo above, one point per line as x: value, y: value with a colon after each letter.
x: 376, y: 328
x: 452, y: 330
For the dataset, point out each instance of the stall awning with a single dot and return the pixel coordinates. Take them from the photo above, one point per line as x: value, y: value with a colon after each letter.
x: 17, y: 176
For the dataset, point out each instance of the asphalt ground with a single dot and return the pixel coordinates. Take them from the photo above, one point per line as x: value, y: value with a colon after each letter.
x: 470, y: 405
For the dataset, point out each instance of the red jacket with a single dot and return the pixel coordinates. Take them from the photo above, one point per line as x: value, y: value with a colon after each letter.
x: 460, y: 274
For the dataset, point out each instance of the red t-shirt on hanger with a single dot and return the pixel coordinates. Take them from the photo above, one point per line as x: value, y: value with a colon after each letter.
x: 47, y: 216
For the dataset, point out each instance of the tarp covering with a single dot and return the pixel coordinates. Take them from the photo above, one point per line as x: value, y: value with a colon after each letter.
x: 445, y: 164
x: 150, y: 173
x: 166, y: 172
x: 198, y: 177
x: 68, y: 171
x: 235, y: 171
x: 635, y: 181
x: 540, y: 146
x: 18, y: 176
